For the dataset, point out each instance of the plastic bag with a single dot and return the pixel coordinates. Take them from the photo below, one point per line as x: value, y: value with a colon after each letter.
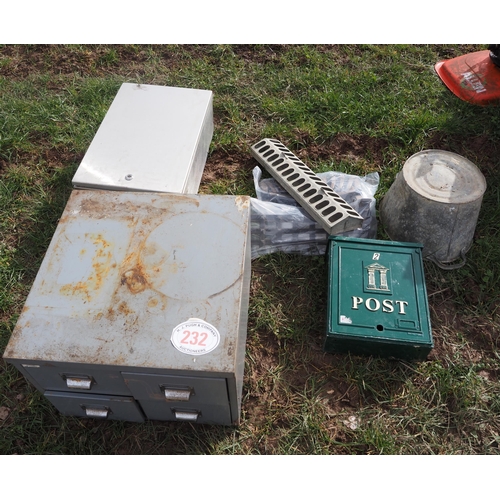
x: 280, y: 224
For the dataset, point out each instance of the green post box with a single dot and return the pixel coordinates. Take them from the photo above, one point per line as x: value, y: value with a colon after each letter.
x: 377, y: 300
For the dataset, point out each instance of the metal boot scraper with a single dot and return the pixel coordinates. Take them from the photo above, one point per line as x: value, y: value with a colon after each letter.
x: 320, y: 201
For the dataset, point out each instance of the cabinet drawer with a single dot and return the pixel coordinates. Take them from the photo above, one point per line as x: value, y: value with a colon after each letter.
x: 177, y: 389
x: 95, y: 406
x: 78, y: 378
x: 187, y: 412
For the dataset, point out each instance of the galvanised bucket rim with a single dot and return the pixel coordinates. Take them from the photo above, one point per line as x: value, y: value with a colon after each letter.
x: 444, y: 177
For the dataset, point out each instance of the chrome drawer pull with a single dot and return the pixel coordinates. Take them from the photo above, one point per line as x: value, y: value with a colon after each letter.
x: 177, y: 394
x: 186, y: 416
x: 97, y: 412
x: 78, y: 383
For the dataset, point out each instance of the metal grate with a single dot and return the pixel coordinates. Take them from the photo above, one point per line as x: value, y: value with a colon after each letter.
x: 320, y: 201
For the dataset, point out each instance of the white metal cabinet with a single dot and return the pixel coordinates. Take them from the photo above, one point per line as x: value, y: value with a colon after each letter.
x: 153, y: 138
x: 124, y: 274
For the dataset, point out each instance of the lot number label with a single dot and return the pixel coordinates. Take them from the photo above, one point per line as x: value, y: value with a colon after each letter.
x: 195, y: 337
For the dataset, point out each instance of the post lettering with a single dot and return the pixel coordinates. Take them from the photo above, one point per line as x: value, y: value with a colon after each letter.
x: 356, y: 301
x: 402, y: 304
x: 373, y: 304
x: 388, y: 307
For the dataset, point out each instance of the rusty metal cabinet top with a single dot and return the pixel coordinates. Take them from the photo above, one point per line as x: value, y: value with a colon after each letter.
x: 124, y: 269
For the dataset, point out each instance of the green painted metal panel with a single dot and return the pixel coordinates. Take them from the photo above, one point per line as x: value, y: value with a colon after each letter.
x: 377, y: 299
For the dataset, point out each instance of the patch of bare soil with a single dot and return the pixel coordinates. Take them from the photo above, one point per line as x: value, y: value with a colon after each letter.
x: 458, y: 335
x: 20, y: 61
x: 480, y: 150
x: 260, y: 54
x: 223, y: 166
x: 347, y: 147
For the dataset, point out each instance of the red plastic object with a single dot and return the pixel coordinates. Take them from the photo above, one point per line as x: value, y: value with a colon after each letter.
x: 472, y: 77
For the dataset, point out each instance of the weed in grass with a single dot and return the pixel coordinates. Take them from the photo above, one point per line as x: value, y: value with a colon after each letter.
x: 109, y: 58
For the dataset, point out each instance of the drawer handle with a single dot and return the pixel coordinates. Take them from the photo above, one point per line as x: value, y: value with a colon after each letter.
x: 97, y: 412
x: 177, y: 394
x: 186, y: 416
x: 79, y: 383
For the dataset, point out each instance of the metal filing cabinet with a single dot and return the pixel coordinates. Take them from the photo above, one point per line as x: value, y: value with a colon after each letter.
x: 153, y: 138
x: 139, y: 309
x: 377, y: 300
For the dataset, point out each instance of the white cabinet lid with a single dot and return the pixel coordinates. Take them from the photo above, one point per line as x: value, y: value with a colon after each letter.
x: 153, y: 138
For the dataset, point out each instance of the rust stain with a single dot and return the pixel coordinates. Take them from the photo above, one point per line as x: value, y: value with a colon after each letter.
x: 96, y: 209
x: 99, y: 240
x: 186, y: 199
x: 136, y: 279
x: 144, y: 262
x: 77, y: 289
x: 130, y: 260
x: 101, y: 265
x: 153, y: 302
x: 63, y: 220
x: 124, y: 309
x: 157, y: 303
x: 136, y: 275
x: 242, y: 202
x: 150, y: 249
x: 174, y: 267
x: 91, y: 205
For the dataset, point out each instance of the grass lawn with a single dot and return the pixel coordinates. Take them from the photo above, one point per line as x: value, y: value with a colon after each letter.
x: 351, y: 108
